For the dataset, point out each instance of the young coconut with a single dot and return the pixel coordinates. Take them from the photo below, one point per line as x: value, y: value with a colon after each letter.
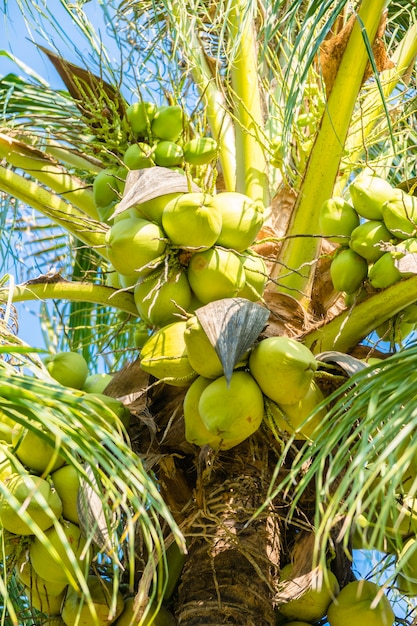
x: 367, y: 239
x: 195, y: 429
x: 168, y: 154
x: 160, y: 299
x: 153, y: 209
x: 77, y: 610
x: 348, y: 270
x: 68, y: 368
x: 232, y: 411
x: 201, y: 354
x: 282, y: 359
x: 42, y: 599
x: 61, y: 568
x: 165, y: 356
x: 66, y: 481
x: 135, y: 246
x: 34, y: 451
x: 298, y: 412
x: 38, y: 499
x: 200, y: 150
x: 369, y: 194
x: 106, y: 188
x: 383, y: 273
x: 140, y: 115
x: 400, y: 215
x: 138, y: 156
x: 312, y: 605
x: 215, y: 274
x: 168, y: 122
x: 241, y: 217
x: 192, y: 220
x: 130, y: 617
x: 96, y: 383
x: 337, y: 220
x: 362, y: 603
x: 256, y: 276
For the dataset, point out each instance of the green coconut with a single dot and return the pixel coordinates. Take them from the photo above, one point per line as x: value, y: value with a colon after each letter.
x: 138, y: 156
x: 120, y: 414
x: 168, y: 154
x: 400, y: 215
x: 156, y: 617
x: 368, y: 238
x: 78, y: 611
x: 60, y: 568
x: 160, y: 299
x: 232, y: 410
x: 201, y: 354
x: 383, y: 273
x: 139, y: 116
x: 152, y: 209
x: 337, y: 220
x: 313, y: 603
x: 286, y: 360
x: 256, y: 276
x: 34, y: 451
x: 348, y: 270
x: 297, y: 412
x: 165, y: 356
x: 36, y: 494
x: 241, y: 219
x: 135, y: 246
x: 68, y: 368
x: 168, y: 122
x: 96, y: 383
x: 192, y: 221
x: 215, y: 274
x: 369, y: 194
x: 106, y: 188
x: 66, y: 481
x: 41, y: 599
x: 361, y: 603
x: 200, y: 150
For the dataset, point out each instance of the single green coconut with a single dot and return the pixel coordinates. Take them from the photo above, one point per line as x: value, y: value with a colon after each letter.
x: 165, y: 356
x: 66, y: 481
x: 201, y: 354
x: 138, y: 156
x: 400, y: 215
x: 34, y: 451
x: 348, y: 270
x: 192, y: 221
x: 312, y: 605
x: 368, y: 238
x: 156, y: 617
x: 232, y: 410
x: 60, y: 568
x: 34, y: 494
x: 106, y: 188
x: 256, y: 276
x: 135, y: 246
x: 96, y: 383
x: 78, y: 611
x: 139, y: 116
x: 161, y: 299
x: 282, y: 359
x: 168, y: 122
x: 27, y: 576
x: 44, y: 601
x: 337, y: 220
x: 361, y: 603
x: 297, y: 412
x: 241, y: 219
x: 102, y: 403
x: 200, y: 150
x: 68, y: 368
x: 168, y: 154
x: 369, y: 194
x: 215, y: 274
x: 383, y: 273
x: 153, y: 209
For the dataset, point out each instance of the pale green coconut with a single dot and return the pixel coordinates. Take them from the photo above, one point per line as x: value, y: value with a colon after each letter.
x: 66, y: 481
x: 162, y: 299
x: 242, y: 219
x: 369, y: 194
x: 68, y: 368
x: 337, y: 220
x: 34, y: 451
x: 312, y: 605
x: 96, y: 383
x: 192, y: 220
x: 256, y: 276
x: 368, y: 239
x: 140, y: 115
x: 77, y: 611
x: 361, y: 603
x: 201, y: 354
x: 215, y: 274
x: 348, y: 270
x: 168, y: 122
x: 400, y: 215
x: 285, y: 360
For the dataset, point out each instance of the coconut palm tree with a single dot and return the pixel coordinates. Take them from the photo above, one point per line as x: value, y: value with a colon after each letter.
x: 300, y: 98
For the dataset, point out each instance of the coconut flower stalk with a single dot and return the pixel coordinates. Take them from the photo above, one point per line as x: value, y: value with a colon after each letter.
x: 299, y: 254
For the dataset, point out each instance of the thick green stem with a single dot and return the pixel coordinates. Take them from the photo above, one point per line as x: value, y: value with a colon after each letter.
x: 299, y: 253
x: 347, y: 329
x: 42, y: 168
x: 50, y: 204
x: 74, y: 292
x: 251, y: 167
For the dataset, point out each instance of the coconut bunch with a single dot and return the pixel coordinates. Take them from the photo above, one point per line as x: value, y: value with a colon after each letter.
x: 159, y: 136
x: 182, y: 250
x: 42, y: 492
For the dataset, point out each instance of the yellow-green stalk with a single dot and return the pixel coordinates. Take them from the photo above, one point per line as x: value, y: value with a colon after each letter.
x: 53, y: 206
x: 45, y: 170
x: 348, y: 328
x: 301, y: 248
x: 72, y: 291
x: 251, y: 167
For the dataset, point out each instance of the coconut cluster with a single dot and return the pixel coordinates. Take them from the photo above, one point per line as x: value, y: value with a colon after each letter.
x: 36, y: 477
x: 182, y: 250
